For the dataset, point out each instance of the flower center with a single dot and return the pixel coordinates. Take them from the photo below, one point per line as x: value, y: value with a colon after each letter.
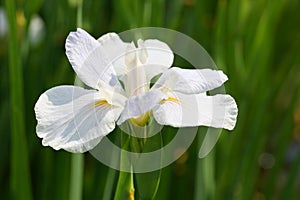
x: 141, y: 120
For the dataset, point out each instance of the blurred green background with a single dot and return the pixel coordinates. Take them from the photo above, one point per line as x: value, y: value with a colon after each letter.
x: 256, y: 43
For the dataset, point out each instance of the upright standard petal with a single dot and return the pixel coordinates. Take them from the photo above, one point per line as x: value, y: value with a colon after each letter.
x: 182, y: 110
x: 190, y: 81
x: 73, y: 118
x: 155, y: 55
x: 155, y: 52
x: 79, y: 45
x: 150, y: 58
x: 91, y: 59
x: 115, y: 50
x: 134, y: 79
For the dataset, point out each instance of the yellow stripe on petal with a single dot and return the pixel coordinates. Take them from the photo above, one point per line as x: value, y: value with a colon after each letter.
x: 173, y: 99
x: 101, y: 102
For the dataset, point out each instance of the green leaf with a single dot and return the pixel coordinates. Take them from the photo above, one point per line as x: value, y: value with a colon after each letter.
x: 110, y: 184
x: 20, y: 172
x: 32, y: 7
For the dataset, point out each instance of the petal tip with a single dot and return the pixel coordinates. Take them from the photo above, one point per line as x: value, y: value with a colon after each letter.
x: 231, y: 114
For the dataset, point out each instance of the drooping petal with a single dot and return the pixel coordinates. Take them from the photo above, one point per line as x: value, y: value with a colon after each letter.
x: 74, y: 145
x: 183, y: 110
x: 73, y: 118
x: 138, y: 105
x: 113, y: 95
x: 93, y: 60
x: 190, y: 81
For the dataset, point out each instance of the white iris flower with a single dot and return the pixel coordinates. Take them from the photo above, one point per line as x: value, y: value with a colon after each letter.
x: 119, y: 75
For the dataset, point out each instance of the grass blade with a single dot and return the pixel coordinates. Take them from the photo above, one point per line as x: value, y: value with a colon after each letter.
x: 20, y: 177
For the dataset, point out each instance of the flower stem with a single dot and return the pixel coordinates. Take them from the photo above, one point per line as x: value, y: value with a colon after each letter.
x: 142, y: 185
x: 77, y: 164
x: 131, y: 190
x: 76, y: 176
x: 125, y: 187
x: 147, y: 183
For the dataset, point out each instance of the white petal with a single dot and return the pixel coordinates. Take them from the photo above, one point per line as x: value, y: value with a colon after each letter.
x: 69, y: 119
x: 156, y: 52
x: 79, y: 147
x: 135, y: 81
x: 155, y: 56
x: 138, y: 105
x: 190, y: 81
x: 113, y: 45
x: 150, y: 58
x: 113, y: 95
x: 219, y: 111
x: 92, y: 60
x: 79, y: 46
x: 115, y: 50
x: 131, y: 59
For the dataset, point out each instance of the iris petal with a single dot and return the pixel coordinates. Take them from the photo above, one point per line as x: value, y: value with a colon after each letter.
x: 219, y: 111
x: 92, y: 60
x: 69, y: 118
x: 190, y: 81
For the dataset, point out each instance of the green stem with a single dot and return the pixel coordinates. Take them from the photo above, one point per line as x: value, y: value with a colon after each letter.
x: 125, y: 186
x: 20, y: 176
x: 77, y: 160
x: 76, y: 176
x: 143, y: 185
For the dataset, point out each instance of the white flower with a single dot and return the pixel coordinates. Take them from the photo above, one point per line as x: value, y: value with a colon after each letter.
x: 119, y: 74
